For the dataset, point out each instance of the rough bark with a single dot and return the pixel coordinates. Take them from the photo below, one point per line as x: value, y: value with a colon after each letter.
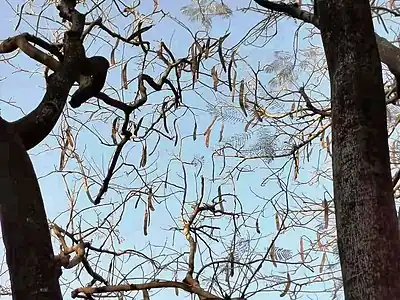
x: 24, y: 225
x: 368, y: 237
x: 32, y: 267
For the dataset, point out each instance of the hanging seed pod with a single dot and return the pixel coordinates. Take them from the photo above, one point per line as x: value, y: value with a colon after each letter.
x: 124, y: 77
x: 219, y: 194
x: 207, y: 50
x: 322, y: 264
x: 68, y: 135
x: 112, y: 55
x: 137, y: 127
x: 230, y: 71
x: 143, y: 159
x: 207, y: 133
x: 242, y: 98
x: 231, y: 264
x: 150, y: 200
x: 221, y: 56
x: 277, y: 222
x: 287, y: 285
x: 221, y: 133
x: 272, y: 255
x: 155, y: 5
x: 62, y: 159
x: 258, y: 227
x: 302, y: 250
x: 214, y: 75
x: 195, y: 131
x: 326, y: 213
x: 319, y: 243
x: 296, y: 165
x: 145, y: 222
x: 234, y: 85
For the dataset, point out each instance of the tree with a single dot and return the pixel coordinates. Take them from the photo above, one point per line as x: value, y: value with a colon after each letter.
x: 364, y: 205
x: 34, y: 273
x: 365, y: 212
x: 368, y: 237
x: 221, y: 244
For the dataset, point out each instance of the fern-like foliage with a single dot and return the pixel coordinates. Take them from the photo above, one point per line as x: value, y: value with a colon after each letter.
x: 273, y: 280
x: 283, y: 68
x: 204, y: 10
x: 238, y: 140
x: 227, y: 113
x: 263, y: 144
x: 283, y: 254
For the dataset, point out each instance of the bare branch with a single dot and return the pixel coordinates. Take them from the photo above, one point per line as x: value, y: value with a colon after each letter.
x: 144, y: 286
x: 22, y: 42
x: 291, y: 10
x: 309, y: 105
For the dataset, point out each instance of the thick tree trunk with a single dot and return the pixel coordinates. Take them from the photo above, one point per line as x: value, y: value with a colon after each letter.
x: 368, y: 236
x: 24, y: 225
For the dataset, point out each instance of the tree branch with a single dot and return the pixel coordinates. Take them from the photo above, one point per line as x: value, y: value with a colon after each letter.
x: 35, y: 126
x: 33, y: 273
x: 311, y: 107
x: 22, y: 42
x: 144, y: 286
x: 389, y: 53
x: 292, y: 10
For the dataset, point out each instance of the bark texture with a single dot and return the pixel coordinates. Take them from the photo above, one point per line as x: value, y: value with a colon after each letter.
x: 33, y: 270
x: 26, y: 236
x: 368, y: 237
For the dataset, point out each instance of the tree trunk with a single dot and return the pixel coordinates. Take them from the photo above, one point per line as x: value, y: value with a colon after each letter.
x: 24, y: 225
x: 368, y: 237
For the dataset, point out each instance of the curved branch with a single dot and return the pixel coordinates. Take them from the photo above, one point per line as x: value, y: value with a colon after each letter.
x: 322, y: 112
x: 36, y: 125
x: 22, y: 42
x: 144, y: 286
x: 33, y: 273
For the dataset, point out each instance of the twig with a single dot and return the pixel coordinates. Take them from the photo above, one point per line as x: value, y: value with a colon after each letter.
x: 324, y: 113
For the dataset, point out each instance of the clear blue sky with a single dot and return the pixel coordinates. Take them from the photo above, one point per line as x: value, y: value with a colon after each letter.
x: 27, y: 90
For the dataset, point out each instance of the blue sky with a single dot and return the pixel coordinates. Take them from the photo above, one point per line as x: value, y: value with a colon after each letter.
x: 27, y: 90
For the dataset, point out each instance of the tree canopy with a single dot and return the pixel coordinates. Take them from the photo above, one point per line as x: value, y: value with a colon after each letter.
x: 204, y: 165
